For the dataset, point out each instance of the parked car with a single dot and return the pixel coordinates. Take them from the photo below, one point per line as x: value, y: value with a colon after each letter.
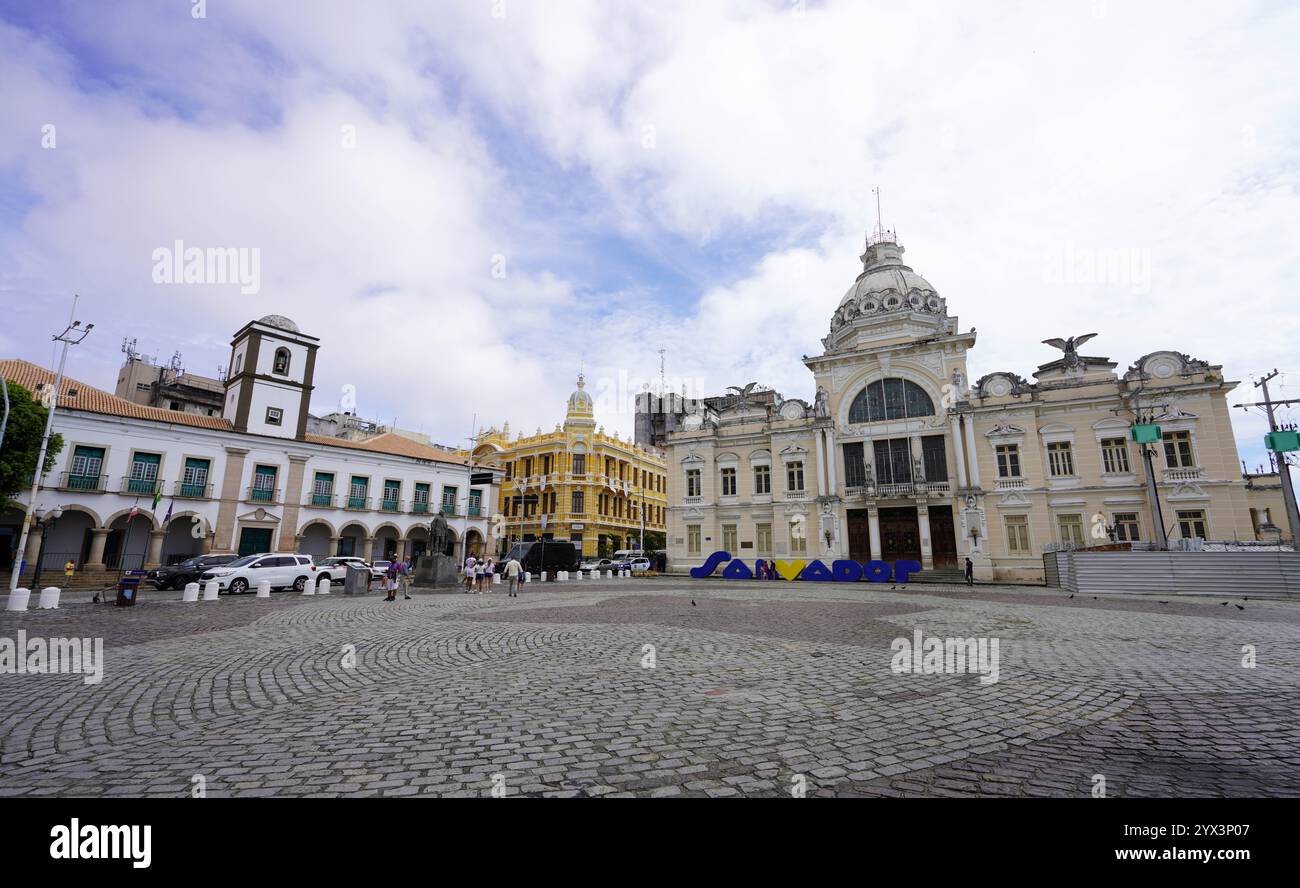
x: 177, y: 576
x: 640, y: 565
x: 558, y: 555
x: 284, y: 572
x: 336, y: 567
x: 379, y: 570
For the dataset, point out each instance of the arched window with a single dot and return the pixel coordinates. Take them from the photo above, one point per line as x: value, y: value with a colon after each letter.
x: 281, y: 366
x: 890, y: 399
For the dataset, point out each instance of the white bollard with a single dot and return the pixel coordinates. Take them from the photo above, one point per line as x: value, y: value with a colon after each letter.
x: 528, y: 577
x: 323, y: 586
x: 49, y: 598
x: 191, y: 592
x: 562, y: 575
x: 543, y: 576
x: 18, y: 600
x: 308, y: 588
x: 210, y: 591
x: 609, y: 575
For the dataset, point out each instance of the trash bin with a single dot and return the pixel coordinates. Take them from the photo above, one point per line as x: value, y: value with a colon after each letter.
x: 128, y: 586
x: 357, y: 580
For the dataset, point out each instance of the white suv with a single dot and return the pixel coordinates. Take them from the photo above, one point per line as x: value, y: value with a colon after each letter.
x: 284, y: 572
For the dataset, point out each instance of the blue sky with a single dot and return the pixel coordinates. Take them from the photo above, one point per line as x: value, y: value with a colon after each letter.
x: 535, y: 187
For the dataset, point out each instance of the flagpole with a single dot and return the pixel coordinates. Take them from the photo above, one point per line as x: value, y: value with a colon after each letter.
x: 126, y: 541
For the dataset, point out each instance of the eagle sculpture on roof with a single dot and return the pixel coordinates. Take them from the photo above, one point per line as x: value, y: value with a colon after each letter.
x: 1070, y: 347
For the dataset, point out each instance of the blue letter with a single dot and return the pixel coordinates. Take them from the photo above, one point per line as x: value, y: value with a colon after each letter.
x: 737, y: 570
x: 876, y: 571
x: 904, y: 569
x: 711, y: 565
x: 817, y: 572
x: 846, y: 571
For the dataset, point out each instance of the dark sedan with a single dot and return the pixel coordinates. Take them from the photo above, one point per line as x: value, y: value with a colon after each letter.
x: 176, y: 576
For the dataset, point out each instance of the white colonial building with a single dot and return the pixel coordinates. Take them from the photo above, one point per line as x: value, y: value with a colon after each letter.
x: 899, y: 457
x: 251, y: 480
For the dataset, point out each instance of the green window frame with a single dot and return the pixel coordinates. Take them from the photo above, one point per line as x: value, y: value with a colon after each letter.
x: 322, y: 489
x: 143, y: 480
x: 194, y: 480
x: 86, y: 468
x: 358, y: 492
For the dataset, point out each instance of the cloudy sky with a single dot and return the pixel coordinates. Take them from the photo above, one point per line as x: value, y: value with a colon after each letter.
x: 467, y: 201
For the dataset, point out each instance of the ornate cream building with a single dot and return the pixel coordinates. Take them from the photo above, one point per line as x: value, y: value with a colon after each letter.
x: 898, y: 456
x: 576, y: 483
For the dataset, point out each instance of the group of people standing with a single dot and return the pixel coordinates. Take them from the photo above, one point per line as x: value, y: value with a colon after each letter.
x: 399, y: 574
x: 478, y: 574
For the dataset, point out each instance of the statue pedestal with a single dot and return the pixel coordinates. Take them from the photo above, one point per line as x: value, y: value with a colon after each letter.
x: 436, y: 571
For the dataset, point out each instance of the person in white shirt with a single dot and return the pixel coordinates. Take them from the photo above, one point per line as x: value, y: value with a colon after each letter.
x: 469, y: 573
x: 513, y: 569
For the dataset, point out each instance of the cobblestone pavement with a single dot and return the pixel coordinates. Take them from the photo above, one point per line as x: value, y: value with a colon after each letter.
x: 755, y: 689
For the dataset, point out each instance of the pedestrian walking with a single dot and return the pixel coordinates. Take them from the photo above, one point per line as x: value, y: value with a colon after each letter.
x: 970, y: 572
x: 513, y: 569
x: 469, y: 573
x: 405, y: 570
x: 479, y: 570
x: 489, y: 574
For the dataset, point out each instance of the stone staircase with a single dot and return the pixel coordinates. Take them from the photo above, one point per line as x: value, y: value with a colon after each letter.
x: 939, y: 575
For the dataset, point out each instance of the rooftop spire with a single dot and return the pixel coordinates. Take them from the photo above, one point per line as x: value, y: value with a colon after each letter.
x: 880, y: 234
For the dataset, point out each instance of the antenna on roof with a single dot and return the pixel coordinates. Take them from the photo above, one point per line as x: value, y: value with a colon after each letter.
x: 880, y: 233
x: 129, y: 349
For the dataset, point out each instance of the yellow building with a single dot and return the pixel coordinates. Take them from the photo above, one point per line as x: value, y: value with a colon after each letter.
x: 577, y: 483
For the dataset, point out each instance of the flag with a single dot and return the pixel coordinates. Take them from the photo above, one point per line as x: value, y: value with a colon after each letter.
x: 157, y: 498
x: 135, y: 510
x: 168, y: 516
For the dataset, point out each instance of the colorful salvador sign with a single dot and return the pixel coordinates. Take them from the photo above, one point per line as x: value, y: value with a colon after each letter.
x: 840, y: 571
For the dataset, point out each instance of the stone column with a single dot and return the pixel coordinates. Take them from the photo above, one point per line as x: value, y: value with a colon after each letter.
x: 98, y: 537
x: 927, y: 546
x: 232, y: 476
x: 335, y: 542
x: 154, y: 556
x: 974, y: 454
x: 959, y: 453
x: 35, y: 534
x: 401, y: 550
x: 819, y: 442
x: 293, y: 493
x: 368, y: 549
x: 873, y: 528
x: 832, y: 480
x: 205, y: 547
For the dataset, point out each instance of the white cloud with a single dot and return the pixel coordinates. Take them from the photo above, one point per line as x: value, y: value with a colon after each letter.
x: 1002, y: 136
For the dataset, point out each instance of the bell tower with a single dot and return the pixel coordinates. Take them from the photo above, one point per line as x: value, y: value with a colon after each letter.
x: 268, y: 390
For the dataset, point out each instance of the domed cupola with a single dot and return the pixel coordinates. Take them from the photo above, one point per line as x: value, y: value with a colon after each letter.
x: 582, y: 409
x: 888, y: 298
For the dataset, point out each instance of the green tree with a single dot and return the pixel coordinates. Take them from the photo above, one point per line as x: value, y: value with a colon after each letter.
x: 22, y: 442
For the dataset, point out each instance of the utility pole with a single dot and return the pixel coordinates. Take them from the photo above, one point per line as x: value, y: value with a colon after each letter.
x: 1283, y: 467
x: 73, y: 334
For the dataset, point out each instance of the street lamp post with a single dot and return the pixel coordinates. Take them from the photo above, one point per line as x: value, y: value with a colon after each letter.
x: 47, y: 522
x: 73, y: 334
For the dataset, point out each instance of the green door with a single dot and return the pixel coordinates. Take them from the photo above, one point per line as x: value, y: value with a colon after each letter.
x: 254, y: 540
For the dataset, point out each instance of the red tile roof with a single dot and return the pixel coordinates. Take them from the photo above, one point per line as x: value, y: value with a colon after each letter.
x: 76, y: 395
